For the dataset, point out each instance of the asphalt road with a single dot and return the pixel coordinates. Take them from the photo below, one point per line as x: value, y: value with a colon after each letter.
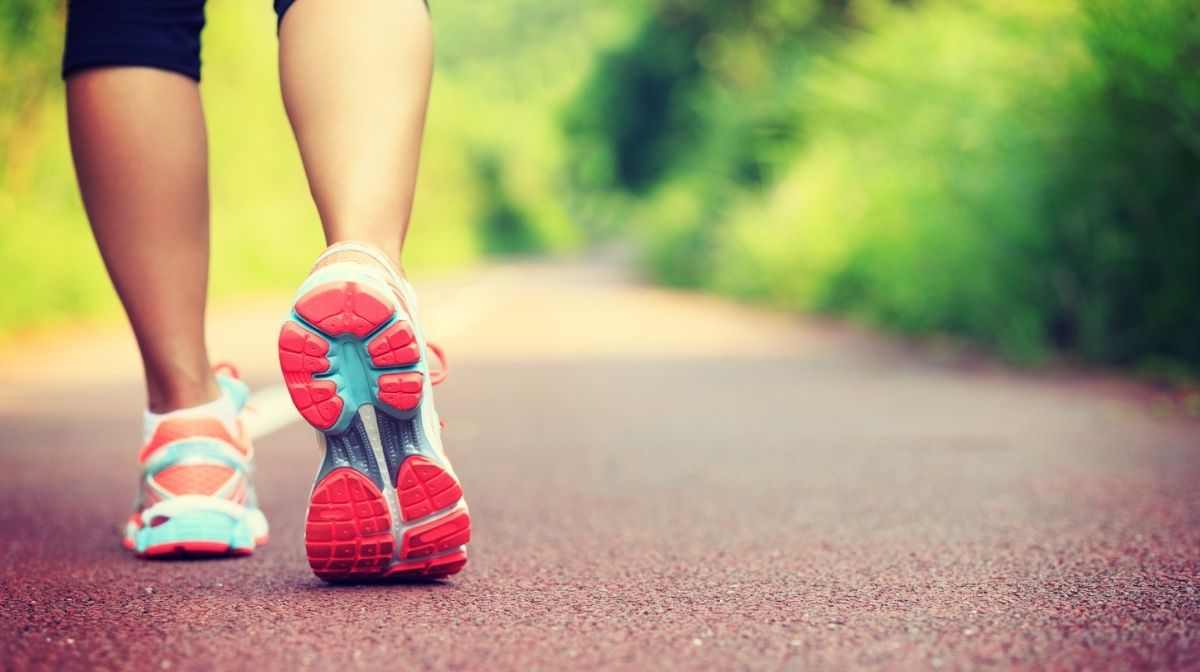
x: 657, y: 481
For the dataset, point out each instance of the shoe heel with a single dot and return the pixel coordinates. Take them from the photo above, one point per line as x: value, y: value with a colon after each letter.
x: 194, y: 533
x: 345, y: 307
x: 349, y: 320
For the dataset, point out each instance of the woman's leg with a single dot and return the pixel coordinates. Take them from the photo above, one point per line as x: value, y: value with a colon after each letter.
x: 140, y: 148
x: 355, y: 77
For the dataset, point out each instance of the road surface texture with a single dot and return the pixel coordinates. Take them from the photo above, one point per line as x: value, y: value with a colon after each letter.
x: 658, y: 481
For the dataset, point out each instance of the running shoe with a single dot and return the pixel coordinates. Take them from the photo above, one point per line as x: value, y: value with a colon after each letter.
x: 385, y: 503
x: 196, y: 495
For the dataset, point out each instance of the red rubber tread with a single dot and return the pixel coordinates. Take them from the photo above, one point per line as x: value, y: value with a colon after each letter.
x: 345, y: 307
x: 348, y: 532
x: 434, y: 568
x: 451, y: 564
x: 301, y: 355
x: 441, y: 535
x: 396, y: 346
x: 188, y: 548
x: 401, y: 391
x: 423, y: 487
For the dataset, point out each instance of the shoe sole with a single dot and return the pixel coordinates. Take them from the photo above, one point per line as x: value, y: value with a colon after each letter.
x: 198, y: 534
x: 385, y: 503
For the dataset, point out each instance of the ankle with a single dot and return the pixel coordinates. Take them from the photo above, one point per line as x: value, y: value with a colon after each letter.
x: 224, y: 409
x: 171, y: 393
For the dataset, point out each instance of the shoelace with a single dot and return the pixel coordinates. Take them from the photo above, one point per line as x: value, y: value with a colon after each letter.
x: 228, y: 369
x: 436, y: 377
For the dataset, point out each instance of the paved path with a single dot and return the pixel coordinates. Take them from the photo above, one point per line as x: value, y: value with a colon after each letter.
x: 657, y: 480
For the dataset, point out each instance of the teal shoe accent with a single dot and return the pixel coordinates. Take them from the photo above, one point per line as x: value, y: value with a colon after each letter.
x: 196, y: 528
x: 236, y: 389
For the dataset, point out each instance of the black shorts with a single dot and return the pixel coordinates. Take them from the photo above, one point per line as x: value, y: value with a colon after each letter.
x: 162, y: 34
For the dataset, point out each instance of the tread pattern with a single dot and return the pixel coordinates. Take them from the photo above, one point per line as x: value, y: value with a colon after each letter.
x: 348, y: 533
x: 302, y: 355
x: 424, y: 487
x: 396, y: 346
x: 401, y: 391
x: 338, y: 308
x: 444, y: 534
x: 339, y: 331
x: 433, y: 568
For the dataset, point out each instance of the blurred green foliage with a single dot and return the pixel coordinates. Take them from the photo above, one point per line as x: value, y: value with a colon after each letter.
x: 493, y: 174
x: 1025, y: 174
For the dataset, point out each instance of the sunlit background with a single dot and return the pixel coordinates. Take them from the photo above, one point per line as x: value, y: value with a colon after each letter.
x: 1020, y: 174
